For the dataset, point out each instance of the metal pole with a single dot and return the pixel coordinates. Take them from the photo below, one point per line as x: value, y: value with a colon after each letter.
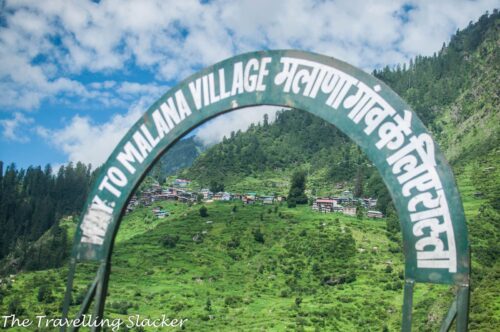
x: 463, y: 307
x: 450, y: 317
x: 407, y: 305
x: 69, y: 289
x: 86, y: 302
x: 101, y: 293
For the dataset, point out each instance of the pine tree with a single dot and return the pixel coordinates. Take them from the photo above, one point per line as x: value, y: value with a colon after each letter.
x: 297, y: 188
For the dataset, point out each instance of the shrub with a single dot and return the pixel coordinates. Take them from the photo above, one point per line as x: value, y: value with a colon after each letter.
x: 204, y: 211
x: 15, y: 307
x: 170, y: 241
x: 122, y: 307
x: 232, y: 300
x: 258, y: 235
x: 45, y: 294
x: 233, y: 243
x: 208, y: 305
x: 298, y: 301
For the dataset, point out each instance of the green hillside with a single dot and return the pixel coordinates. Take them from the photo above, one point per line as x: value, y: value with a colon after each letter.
x: 455, y: 93
x: 181, y: 155
x: 256, y: 268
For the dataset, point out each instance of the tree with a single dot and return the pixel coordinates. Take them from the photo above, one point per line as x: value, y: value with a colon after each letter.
x: 208, y: 305
x: 45, y: 294
x: 204, y: 211
x: 358, y: 186
x: 258, y: 235
x: 297, y: 195
x: 216, y: 186
x: 170, y: 241
x: 359, y: 211
x: 298, y: 301
x: 392, y: 225
x: 15, y: 307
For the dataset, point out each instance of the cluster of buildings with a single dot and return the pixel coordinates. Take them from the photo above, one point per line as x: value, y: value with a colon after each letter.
x: 160, y: 213
x: 156, y: 193
x: 346, y: 204
x: 179, y: 192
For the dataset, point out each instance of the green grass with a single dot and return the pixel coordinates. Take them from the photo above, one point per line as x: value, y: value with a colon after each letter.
x: 254, y: 286
x: 247, y: 286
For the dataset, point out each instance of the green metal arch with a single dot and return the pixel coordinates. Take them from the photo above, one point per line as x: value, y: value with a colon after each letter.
x: 419, y: 179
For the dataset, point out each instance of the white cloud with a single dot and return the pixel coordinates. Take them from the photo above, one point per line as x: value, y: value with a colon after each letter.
x: 46, y: 45
x: 83, y: 140
x: 14, y: 128
x: 172, y: 38
x: 432, y: 22
x: 213, y: 131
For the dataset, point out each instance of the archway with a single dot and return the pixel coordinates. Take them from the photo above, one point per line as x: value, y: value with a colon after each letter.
x: 419, y: 179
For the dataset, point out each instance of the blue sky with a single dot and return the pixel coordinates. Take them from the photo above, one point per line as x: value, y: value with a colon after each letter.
x: 75, y: 75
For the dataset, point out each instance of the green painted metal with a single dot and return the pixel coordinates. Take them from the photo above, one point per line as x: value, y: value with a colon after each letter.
x: 101, y: 291
x: 87, y: 301
x: 407, y: 305
x: 450, y: 317
x: 418, y: 177
x: 69, y: 288
x: 463, y: 307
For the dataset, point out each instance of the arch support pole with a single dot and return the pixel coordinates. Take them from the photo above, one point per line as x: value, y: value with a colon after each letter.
x: 450, y: 317
x: 101, y: 293
x: 69, y: 290
x: 407, y: 305
x: 463, y: 307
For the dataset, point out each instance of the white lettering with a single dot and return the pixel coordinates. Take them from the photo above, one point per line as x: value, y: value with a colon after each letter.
x: 109, y: 187
x: 117, y: 176
x: 153, y: 141
x: 143, y: 145
x: 213, y: 97
x: 250, y: 82
x: 170, y: 113
x: 182, y: 105
x: 262, y: 73
x: 237, y: 79
x: 195, y: 88
x: 160, y: 124
x: 222, y: 85
x: 129, y: 155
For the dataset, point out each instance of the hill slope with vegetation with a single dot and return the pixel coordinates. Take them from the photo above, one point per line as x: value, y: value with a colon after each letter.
x: 290, y: 269
x: 247, y: 268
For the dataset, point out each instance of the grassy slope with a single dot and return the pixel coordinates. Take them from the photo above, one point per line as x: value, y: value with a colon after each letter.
x: 152, y: 280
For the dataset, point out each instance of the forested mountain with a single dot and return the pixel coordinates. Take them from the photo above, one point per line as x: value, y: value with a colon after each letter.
x: 181, y: 155
x: 294, y: 139
x: 455, y: 93
x: 32, y: 201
